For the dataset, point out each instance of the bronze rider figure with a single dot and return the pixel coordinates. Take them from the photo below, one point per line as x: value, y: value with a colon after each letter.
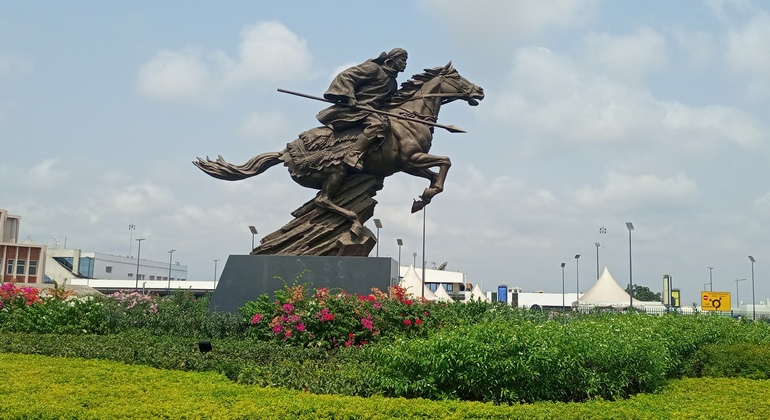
x: 371, y: 83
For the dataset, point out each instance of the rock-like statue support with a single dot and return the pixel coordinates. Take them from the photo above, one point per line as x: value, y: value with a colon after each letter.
x: 367, y: 137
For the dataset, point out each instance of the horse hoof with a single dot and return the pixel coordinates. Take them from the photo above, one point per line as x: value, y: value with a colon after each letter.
x: 418, y: 205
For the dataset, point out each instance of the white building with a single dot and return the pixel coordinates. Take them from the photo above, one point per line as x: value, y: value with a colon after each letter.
x: 73, y: 263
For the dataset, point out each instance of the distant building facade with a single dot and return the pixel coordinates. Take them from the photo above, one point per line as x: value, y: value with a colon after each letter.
x: 19, y: 262
x: 97, y: 265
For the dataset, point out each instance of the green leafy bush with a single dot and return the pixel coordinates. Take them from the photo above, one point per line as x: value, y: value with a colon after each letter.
x: 525, y: 362
x: 745, y: 360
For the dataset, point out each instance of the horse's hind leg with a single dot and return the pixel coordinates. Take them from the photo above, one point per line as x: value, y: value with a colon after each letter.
x: 330, y: 187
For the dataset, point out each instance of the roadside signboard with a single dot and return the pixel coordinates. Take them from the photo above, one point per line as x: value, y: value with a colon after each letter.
x: 715, y: 301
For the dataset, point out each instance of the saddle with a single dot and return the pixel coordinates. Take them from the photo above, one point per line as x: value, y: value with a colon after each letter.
x: 321, y: 147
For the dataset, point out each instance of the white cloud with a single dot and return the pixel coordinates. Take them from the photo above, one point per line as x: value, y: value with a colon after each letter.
x: 697, y: 47
x: 748, y: 52
x: 268, y: 52
x: 485, y: 19
x: 266, y: 126
x: 45, y: 175
x: 176, y: 75
x: 623, y: 192
x: 551, y: 94
x: 627, y: 57
x: 715, y: 123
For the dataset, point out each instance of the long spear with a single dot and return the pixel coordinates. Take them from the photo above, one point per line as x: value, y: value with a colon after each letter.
x: 450, y: 128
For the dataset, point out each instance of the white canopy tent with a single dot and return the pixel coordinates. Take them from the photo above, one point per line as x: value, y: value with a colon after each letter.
x: 477, y: 294
x: 412, y: 283
x: 606, y: 293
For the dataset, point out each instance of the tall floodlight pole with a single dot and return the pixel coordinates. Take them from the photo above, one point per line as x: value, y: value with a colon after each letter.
x: 737, y: 294
x: 414, y: 259
x: 597, y: 258
x: 630, y: 227
x: 215, y: 273
x: 131, y: 229
x: 422, y: 289
x: 400, y: 243
x: 711, y: 280
x: 577, y: 278
x: 378, y: 225
x: 138, y: 254
x: 170, y: 255
x: 753, y: 301
x: 563, y: 303
x: 254, y: 232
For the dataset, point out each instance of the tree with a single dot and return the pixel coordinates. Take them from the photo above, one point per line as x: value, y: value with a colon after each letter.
x: 644, y: 294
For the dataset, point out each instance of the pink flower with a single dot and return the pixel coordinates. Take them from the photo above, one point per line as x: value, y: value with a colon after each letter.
x: 324, y: 315
x: 377, y: 305
x: 256, y: 319
x: 300, y: 327
x: 288, y: 308
x: 407, y: 322
x: 367, y: 323
x: 277, y: 329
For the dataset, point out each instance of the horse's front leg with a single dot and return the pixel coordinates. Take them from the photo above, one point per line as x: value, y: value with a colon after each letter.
x: 418, y: 165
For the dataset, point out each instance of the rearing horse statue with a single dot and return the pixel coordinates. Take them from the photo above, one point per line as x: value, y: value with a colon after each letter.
x: 315, y: 161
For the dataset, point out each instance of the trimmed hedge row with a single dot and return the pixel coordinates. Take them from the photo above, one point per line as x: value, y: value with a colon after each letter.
x: 57, y: 388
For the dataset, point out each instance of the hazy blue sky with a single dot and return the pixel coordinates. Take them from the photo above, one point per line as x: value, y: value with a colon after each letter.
x: 597, y: 113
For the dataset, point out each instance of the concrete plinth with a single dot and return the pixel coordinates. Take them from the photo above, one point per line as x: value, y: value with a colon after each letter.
x: 246, y: 277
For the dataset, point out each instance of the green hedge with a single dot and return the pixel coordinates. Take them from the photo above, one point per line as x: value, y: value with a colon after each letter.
x: 746, y: 360
x: 57, y: 388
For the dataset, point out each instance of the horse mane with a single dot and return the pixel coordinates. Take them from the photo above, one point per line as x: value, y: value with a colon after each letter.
x: 409, y: 87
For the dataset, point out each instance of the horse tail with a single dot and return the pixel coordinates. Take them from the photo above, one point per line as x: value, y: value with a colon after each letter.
x: 222, y: 170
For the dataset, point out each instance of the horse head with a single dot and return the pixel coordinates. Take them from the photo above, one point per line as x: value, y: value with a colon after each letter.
x: 444, y: 83
x: 451, y: 86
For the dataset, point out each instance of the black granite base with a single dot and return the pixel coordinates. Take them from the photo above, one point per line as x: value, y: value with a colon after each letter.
x: 246, y: 277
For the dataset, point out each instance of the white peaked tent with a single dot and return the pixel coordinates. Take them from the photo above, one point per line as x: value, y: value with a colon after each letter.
x: 442, y: 295
x: 478, y: 294
x: 412, y: 283
x: 606, y: 292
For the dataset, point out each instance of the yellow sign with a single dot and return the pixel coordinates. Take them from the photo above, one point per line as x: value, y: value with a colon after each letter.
x: 715, y: 301
x: 675, y: 298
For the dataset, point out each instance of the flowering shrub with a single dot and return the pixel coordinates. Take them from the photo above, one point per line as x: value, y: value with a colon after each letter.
x: 12, y: 297
x: 145, y: 303
x: 334, y: 319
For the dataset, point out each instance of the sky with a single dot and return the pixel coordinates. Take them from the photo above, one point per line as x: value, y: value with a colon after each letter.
x: 597, y: 113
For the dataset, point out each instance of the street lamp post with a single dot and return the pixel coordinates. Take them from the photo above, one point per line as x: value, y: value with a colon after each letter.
x: 753, y: 301
x: 399, y: 242
x: 597, y: 258
x: 378, y: 225
x: 563, y: 303
x: 737, y: 295
x: 577, y: 278
x: 131, y: 229
x: 170, y: 255
x: 630, y: 227
x: 138, y: 254
x: 711, y: 280
x: 253, y: 233
x: 414, y: 259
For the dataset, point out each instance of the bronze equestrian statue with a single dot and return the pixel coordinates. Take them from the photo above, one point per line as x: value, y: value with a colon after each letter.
x: 359, y: 142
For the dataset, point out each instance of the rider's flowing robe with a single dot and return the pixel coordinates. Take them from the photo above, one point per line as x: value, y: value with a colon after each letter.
x: 369, y: 83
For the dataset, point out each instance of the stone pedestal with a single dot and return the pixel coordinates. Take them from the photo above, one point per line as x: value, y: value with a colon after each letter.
x: 246, y: 277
